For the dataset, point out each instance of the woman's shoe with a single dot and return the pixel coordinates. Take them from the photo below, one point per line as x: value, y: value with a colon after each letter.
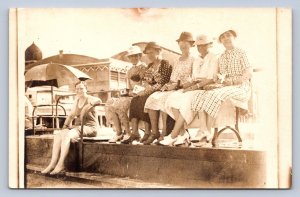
x: 131, y: 139
x: 201, y: 135
x: 168, y: 141
x: 145, y: 137
x: 126, y: 137
x: 183, y: 139
x: 116, y: 138
x: 151, y: 138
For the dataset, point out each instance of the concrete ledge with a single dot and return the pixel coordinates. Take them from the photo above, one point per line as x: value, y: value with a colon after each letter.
x: 188, y: 167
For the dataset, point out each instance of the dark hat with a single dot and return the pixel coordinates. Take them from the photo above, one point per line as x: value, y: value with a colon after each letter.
x: 151, y: 45
x: 186, y: 36
x: 229, y: 30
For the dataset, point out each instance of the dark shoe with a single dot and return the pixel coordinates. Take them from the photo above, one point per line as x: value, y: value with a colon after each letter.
x: 151, y: 138
x: 145, y: 137
x: 131, y: 139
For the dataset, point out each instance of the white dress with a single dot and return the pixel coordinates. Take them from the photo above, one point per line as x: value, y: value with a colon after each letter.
x: 205, y: 67
x: 182, y: 71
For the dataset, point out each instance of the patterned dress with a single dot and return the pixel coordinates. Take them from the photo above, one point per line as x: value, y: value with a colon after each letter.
x: 120, y: 106
x: 182, y: 71
x: 154, y: 80
x: 206, y: 68
x: 232, y: 63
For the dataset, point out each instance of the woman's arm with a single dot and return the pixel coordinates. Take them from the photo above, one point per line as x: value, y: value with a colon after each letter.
x: 162, y: 78
x: 71, y: 116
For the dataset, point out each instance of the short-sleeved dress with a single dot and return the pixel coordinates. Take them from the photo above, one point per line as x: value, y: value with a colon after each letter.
x: 91, y: 124
x: 206, y: 68
x: 182, y: 71
x: 232, y: 63
x: 120, y: 106
x: 154, y: 79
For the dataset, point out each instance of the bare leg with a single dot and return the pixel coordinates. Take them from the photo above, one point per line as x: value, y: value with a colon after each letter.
x: 125, y: 122
x: 203, y: 121
x: 65, y: 146
x: 135, y: 124
x: 154, y: 115
x: 55, y: 152
x: 177, y: 114
x: 164, y: 121
x: 116, y: 123
x: 179, y: 124
x: 147, y: 128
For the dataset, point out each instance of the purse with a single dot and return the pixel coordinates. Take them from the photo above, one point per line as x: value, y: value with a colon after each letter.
x: 213, y: 86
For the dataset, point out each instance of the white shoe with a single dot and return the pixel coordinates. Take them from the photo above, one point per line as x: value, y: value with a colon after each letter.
x: 168, y: 141
x: 126, y: 137
x: 116, y: 138
x: 201, y: 136
x: 182, y: 139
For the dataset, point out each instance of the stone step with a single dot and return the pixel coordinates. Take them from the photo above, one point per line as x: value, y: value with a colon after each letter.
x: 84, y: 180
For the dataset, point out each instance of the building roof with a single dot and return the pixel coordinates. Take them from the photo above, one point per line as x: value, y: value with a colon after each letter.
x: 33, y: 53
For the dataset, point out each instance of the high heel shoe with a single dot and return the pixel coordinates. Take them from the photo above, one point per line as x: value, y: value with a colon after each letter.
x: 151, y: 138
x: 201, y: 135
x: 168, y: 141
x: 131, y: 139
x: 145, y: 137
x: 183, y: 139
x: 116, y: 138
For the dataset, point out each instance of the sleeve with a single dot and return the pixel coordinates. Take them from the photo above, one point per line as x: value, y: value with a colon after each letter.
x: 161, y: 78
x: 213, y: 67
x: 244, y: 60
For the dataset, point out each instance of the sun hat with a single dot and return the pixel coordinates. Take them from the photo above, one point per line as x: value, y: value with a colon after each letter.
x: 227, y: 30
x: 151, y: 45
x: 134, y: 50
x: 186, y: 36
x: 203, y: 39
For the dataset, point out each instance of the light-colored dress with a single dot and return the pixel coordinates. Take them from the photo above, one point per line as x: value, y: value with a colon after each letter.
x: 206, y: 68
x: 232, y: 63
x: 120, y: 106
x: 182, y: 70
x: 154, y: 79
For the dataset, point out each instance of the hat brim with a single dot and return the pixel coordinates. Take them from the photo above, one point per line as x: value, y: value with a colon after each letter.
x: 130, y: 54
x: 196, y: 43
x: 229, y: 30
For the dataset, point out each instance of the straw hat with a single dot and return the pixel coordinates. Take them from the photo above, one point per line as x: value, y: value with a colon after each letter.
x: 186, y: 36
x: 134, y: 50
x: 151, y: 45
x: 227, y: 30
x: 203, y: 39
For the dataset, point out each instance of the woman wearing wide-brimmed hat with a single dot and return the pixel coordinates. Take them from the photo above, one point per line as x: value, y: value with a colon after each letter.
x: 234, y: 83
x: 157, y: 74
x: 116, y: 109
x: 178, y: 105
x: 182, y: 71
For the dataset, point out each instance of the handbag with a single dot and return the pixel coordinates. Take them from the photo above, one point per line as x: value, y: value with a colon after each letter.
x: 213, y: 86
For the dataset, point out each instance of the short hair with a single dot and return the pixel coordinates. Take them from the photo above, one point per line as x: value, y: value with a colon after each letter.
x: 81, y: 82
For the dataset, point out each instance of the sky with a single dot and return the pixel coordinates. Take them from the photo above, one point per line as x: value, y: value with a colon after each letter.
x: 101, y: 33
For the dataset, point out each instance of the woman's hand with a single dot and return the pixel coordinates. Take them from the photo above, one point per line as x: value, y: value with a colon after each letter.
x: 191, y: 88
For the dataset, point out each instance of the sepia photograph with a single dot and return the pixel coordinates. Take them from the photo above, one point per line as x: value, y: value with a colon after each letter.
x: 150, y: 98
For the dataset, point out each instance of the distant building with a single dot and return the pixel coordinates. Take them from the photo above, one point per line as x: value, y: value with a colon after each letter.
x: 109, y: 74
x: 33, y: 54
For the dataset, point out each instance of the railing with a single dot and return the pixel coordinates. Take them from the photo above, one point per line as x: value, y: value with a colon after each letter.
x: 53, y: 116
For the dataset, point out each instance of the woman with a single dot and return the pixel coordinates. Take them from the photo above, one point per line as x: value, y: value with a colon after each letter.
x: 157, y: 75
x: 116, y: 109
x: 178, y: 105
x: 62, y: 140
x: 234, y: 65
x: 181, y: 74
